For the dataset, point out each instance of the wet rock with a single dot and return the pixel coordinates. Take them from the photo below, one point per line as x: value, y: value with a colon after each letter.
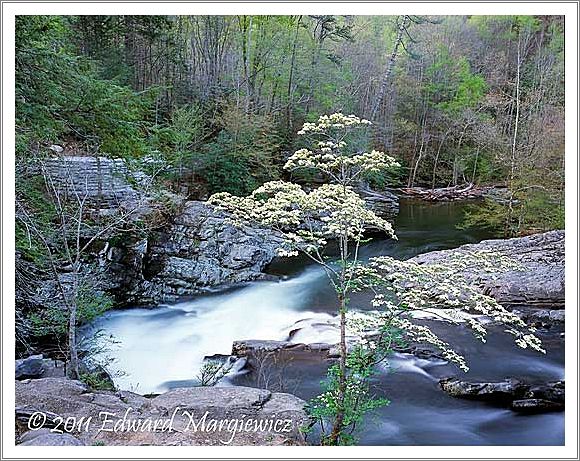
x: 420, y: 351
x: 541, y: 285
x: 542, y: 318
x: 532, y: 406
x: 36, y: 366
x: 520, y: 397
x: 178, y: 409
x: 552, y: 391
x: 200, y: 249
x: 496, y: 392
x: 259, y: 350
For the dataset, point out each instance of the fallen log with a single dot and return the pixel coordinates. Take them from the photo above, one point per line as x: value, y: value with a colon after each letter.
x: 459, y: 192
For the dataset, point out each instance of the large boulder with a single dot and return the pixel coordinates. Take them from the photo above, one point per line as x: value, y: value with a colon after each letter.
x: 202, y: 248
x: 46, y: 437
x: 256, y: 350
x: 540, y: 285
x: 36, y: 366
x: 188, y: 246
x: 30, y: 367
x: 103, y: 183
x: 184, y: 416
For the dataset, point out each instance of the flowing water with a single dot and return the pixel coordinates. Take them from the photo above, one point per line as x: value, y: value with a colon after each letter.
x: 158, y: 349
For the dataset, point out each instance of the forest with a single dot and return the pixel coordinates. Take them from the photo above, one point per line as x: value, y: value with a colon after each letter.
x: 302, y: 215
x: 219, y: 99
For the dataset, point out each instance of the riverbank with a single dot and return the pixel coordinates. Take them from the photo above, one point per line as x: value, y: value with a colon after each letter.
x: 162, y: 348
x: 60, y: 411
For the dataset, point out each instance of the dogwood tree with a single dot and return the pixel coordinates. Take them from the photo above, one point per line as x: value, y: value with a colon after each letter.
x: 332, y: 212
x: 309, y: 220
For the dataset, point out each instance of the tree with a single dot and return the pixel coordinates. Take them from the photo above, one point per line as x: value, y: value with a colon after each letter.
x: 447, y: 291
x: 78, y: 225
x: 308, y: 220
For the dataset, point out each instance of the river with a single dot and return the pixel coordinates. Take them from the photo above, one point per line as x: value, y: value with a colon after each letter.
x: 161, y: 348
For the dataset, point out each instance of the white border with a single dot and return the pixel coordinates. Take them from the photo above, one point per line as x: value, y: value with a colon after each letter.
x: 66, y: 8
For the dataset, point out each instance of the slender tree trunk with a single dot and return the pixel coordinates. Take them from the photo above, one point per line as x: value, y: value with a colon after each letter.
x: 246, y: 29
x: 289, y: 108
x: 338, y: 425
x: 73, y: 369
x: 340, y: 413
x: 475, y: 165
x: 403, y: 22
x: 514, y: 143
x: 436, y: 161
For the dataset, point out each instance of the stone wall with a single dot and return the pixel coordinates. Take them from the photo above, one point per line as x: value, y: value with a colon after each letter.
x: 104, y: 182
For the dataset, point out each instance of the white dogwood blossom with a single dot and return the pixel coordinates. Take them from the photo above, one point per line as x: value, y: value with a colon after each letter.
x: 328, y: 155
x: 405, y: 290
x: 305, y: 220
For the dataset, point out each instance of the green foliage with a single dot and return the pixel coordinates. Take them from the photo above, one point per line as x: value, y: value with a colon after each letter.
x: 244, y: 155
x: 97, y: 381
x: 212, y: 371
x: 532, y: 211
x: 53, y: 320
x: 30, y: 191
x: 59, y: 95
x: 358, y: 401
x: 503, y: 27
x: 178, y: 140
x: 393, y: 177
x: 453, y: 87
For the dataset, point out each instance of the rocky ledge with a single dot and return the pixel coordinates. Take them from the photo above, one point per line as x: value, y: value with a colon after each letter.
x: 200, y: 248
x: 540, y: 286
x: 184, y: 416
x: 517, y: 395
x: 187, y: 246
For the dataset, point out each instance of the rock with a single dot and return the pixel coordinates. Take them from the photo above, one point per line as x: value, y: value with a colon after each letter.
x: 193, y: 246
x: 495, y: 392
x: 542, y: 318
x: 520, y: 397
x: 56, y: 148
x: 98, y: 373
x: 420, y: 351
x: 258, y: 350
x: 553, y: 391
x: 23, y: 414
x: 531, y: 406
x: 383, y: 203
x: 36, y: 366
x: 47, y: 438
x: 541, y: 285
x: 30, y: 367
x: 202, y: 249
x: 183, y: 416
x: 53, y: 369
x: 105, y: 182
